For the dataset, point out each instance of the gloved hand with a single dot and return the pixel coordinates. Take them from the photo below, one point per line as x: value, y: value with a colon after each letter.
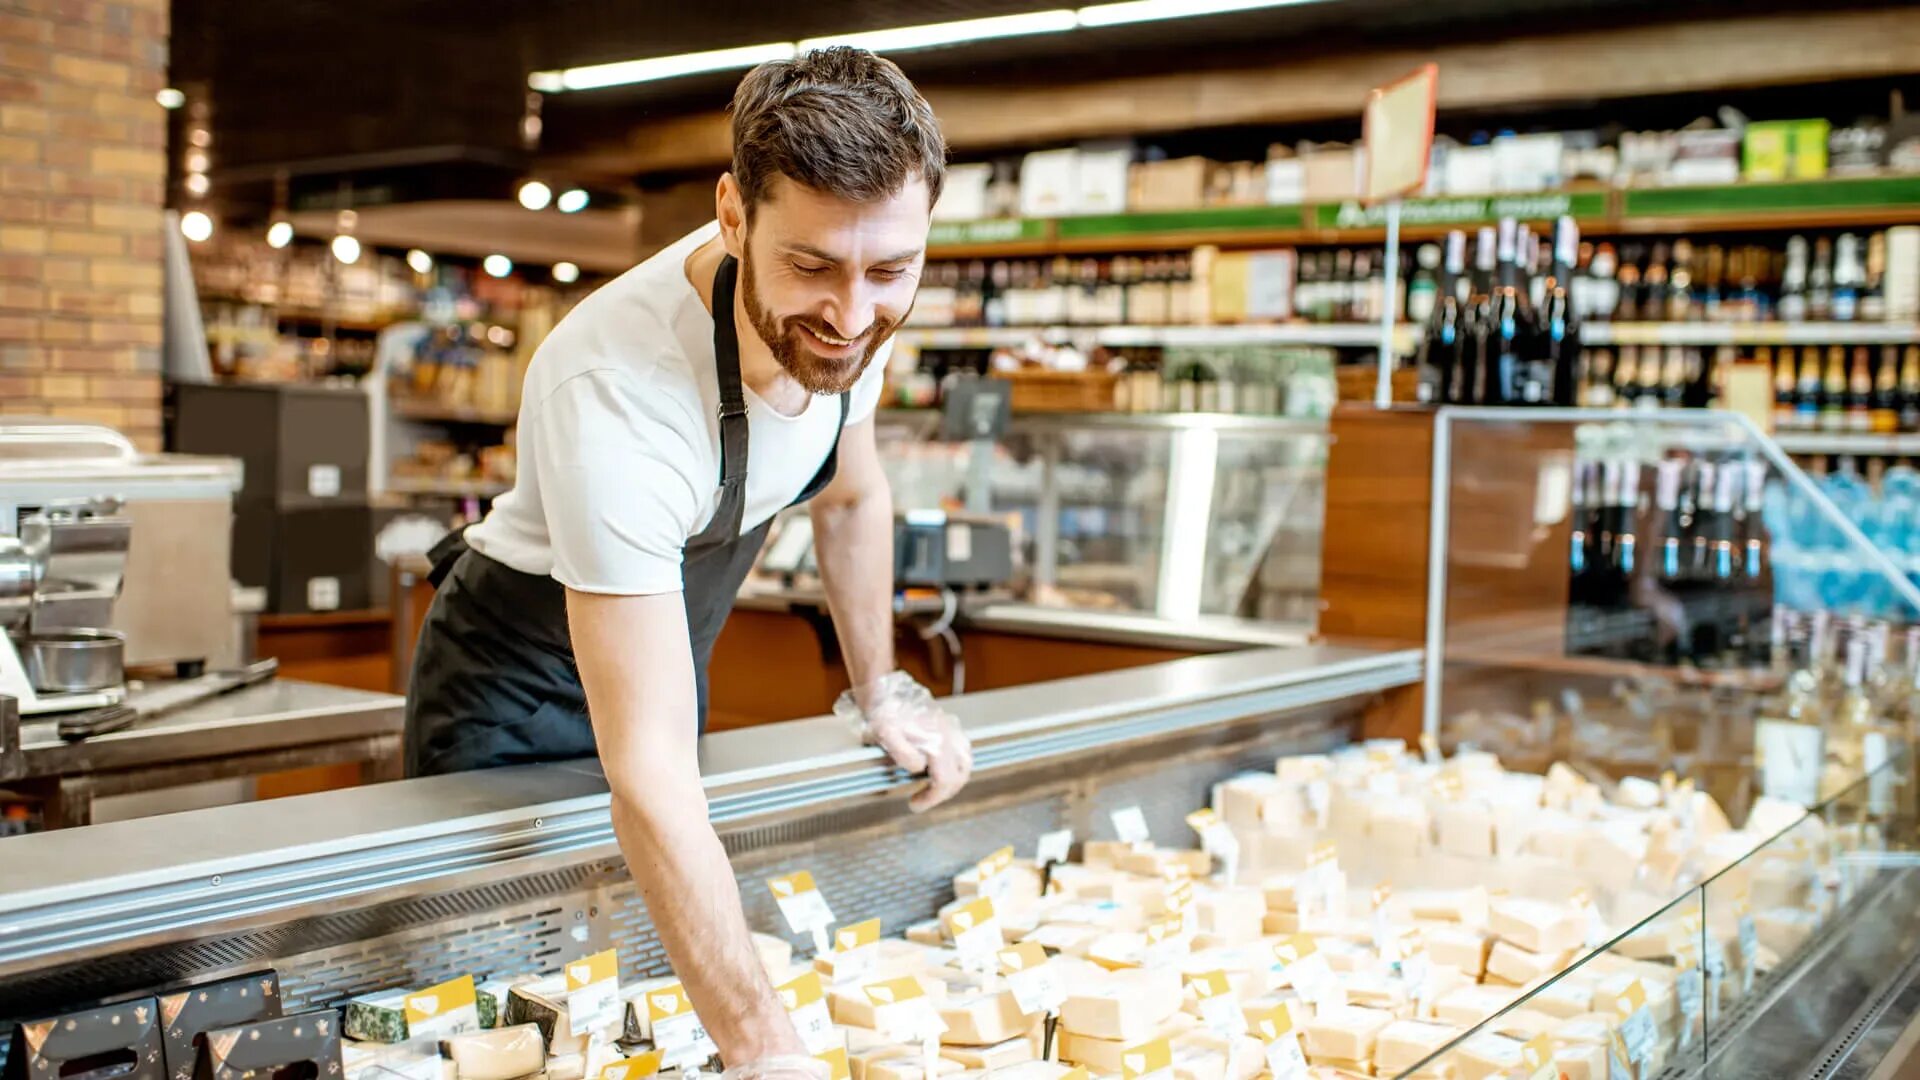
x: 780, y: 1067
x: 898, y: 714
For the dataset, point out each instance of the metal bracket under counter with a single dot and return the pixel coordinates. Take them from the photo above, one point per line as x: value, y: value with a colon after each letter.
x: 280, y: 725
x: 173, y: 881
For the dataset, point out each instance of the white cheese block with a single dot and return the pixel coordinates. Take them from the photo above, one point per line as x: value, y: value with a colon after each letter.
x: 1275, y: 923
x: 569, y: 1067
x: 1232, y: 913
x: 1348, y: 1032
x: 1595, y: 1029
x: 1568, y: 996
x: 1103, y: 1055
x: 1070, y: 938
x: 1243, y: 1058
x: 1521, y: 966
x: 983, y: 1018
x: 1580, y: 1060
x: 1468, y: 907
x: 1125, y: 1005
x: 1487, y: 1055
x: 849, y: 1004
x: 929, y: 932
x: 1240, y: 798
x: 1405, y: 1043
x: 1537, y: 925
x: 1375, y: 990
x: 1523, y: 1023
x: 1014, y: 1051
x: 1469, y: 1005
x: 860, y: 1040
x: 1465, y: 828
x: 776, y: 954
x: 907, y: 1064
x: 893, y: 957
x: 504, y: 1053
x: 1339, y: 1067
x: 1032, y: 1070
x: 1301, y: 768
x: 1458, y: 948
x: 1102, y: 854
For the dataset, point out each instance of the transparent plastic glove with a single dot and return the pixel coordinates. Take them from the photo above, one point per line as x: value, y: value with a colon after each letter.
x: 780, y: 1067
x: 898, y: 715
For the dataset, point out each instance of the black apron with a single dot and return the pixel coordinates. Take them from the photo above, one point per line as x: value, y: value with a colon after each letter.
x: 494, y: 681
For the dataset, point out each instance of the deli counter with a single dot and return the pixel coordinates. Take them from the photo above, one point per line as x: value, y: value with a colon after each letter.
x: 1643, y: 805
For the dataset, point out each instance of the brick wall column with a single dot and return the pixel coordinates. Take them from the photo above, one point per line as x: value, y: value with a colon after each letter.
x: 82, y: 187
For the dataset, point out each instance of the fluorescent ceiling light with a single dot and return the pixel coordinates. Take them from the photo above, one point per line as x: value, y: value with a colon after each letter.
x: 951, y: 33
x: 658, y: 67
x: 1133, y: 11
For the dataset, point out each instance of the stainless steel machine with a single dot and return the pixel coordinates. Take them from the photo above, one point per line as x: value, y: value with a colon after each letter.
x: 109, y: 559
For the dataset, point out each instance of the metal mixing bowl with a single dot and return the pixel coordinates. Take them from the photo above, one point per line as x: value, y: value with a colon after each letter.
x: 73, y: 661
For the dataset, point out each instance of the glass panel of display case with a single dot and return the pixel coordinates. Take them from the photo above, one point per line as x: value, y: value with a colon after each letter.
x: 1180, y: 516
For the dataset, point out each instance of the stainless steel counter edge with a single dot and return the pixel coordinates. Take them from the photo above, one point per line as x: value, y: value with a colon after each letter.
x: 152, y: 879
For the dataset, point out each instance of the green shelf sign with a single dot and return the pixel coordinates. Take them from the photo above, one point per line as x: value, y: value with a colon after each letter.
x: 993, y: 231
x: 1217, y: 219
x: 1868, y: 193
x: 1464, y: 210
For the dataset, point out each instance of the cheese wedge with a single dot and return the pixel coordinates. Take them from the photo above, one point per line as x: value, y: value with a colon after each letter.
x: 1519, y: 966
x: 1579, y: 1060
x: 849, y: 1004
x: 1537, y: 925
x: 503, y: 1053
x: 1458, y: 948
x: 1487, y: 1055
x: 1348, y: 1033
x: 1469, y: 1005
x: 1126, y: 1006
x: 983, y: 1018
x: 1234, y: 914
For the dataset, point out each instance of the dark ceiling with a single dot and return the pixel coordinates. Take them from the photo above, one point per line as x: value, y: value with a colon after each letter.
x: 325, y: 89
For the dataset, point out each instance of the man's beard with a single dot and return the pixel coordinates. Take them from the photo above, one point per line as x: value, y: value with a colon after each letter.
x: 783, y: 336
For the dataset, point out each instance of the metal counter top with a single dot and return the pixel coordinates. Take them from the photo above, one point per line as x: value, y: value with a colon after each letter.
x: 1207, y: 633
x: 150, y: 880
x: 271, y: 716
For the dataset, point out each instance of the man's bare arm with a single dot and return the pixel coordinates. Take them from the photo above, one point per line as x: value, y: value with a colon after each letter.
x: 853, y: 543
x: 637, y: 667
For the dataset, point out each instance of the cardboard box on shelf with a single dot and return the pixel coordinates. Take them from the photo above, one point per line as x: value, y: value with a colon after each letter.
x: 1048, y: 182
x: 1175, y: 184
x: 1785, y: 150
x: 963, y: 196
x: 1332, y: 174
x: 1101, y: 174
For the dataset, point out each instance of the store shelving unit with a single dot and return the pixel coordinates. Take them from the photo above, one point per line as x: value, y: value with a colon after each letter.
x: 437, y: 412
x: 1351, y: 335
x: 445, y: 488
x: 1707, y: 334
x: 1855, y: 202
x: 1864, y: 444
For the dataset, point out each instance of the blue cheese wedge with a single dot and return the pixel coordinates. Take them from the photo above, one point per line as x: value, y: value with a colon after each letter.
x: 377, y: 1018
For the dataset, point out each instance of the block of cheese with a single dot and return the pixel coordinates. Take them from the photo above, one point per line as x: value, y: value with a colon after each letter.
x: 1124, y: 1005
x: 1102, y: 854
x: 1580, y: 1060
x: 1465, y: 828
x: 776, y: 953
x: 1349, y: 1032
x: 1232, y: 913
x: 1779, y: 883
x: 1280, y: 891
x: 1129, y: 891
x: 1469, y: 1005
x: 1033, y: 1070
x: 1239, y: 798
x: 849, y: 1004
x: 1592, y: 1028
x: 1153, y: 862
x: 1405, y: 1043
x: 569, y: 1067
x: 860, y: 1040
x: 1523, y: 1023
x: 1521, y: 966
x: 1070, y: 938
x: 638, y: 1025
x: 1300, y: 768
x: 1537, y: 925
x: 893, y: 957
x: 1023, y: 884
x: 1275, y: 923
x: 908, y: 1064
x: 1398, y: 827
x: 377, y: 1018
x: 930, y: 932
x: 1127, y: 950
x: 1103, y: 1055
x: 1782, y: 930
x: 1376, y: 990
x: 1199, y: 1062
x: 1568, y: 996
x: 503, y: 1053
x: 1611, y: 854
x: 1458, y: 948
x: 1339, y: 1067
x: 1243, y: 1058
x: 983, y: 1018
x: 1487, y: 1055
x: 1467, y: 907
x: 1556, y: 836
x: 543, y: 1003
x: 1000, y: 1055
x: 1442, y: 981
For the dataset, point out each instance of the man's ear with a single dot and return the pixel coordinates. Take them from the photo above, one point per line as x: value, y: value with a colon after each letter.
x: 730, y: 209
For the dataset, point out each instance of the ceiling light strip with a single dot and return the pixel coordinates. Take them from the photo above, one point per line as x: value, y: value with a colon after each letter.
x: 899, y: 39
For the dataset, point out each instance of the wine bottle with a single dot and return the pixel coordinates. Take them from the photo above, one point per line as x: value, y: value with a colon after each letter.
x: 1603, y: 285
x: 1680, y: 294
x: 1626, y: 307
x: 1910, y: 388
x: 1848, y: 276
x: 1509, y: 379
x: 1423, y: 291
x: 1599, y: 381
x: 1666, y: 501
x: 1443, y: 341
x: 1654, y: 285
x: 1784, y: 417
x: 1560, y: 323
x: 1674, y: 378
x: 1807, y: 398
x: 1886, y: 391
x: 1820, y: 282
x: 1652, y: 369
x: 1712, y: 294
x: 1626, y: 377
x: 1860, y: 391
x: 1833, y: 391
x: 1793, y: 282
x: 1873, y: 297
x: 1478, y: 354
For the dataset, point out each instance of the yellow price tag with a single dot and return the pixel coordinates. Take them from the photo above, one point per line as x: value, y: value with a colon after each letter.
x: 633, y: 1068
x: 1146, y: 1059
x: 439, y: 1000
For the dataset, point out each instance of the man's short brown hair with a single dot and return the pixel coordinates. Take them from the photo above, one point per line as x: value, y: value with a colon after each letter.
x: 841, y: 121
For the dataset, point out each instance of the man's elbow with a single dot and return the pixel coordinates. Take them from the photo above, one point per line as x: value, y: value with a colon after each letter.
x: 655, y: 803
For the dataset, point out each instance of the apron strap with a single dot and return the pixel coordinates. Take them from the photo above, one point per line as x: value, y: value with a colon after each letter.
x: 444, y: 554
x: 724, y: 527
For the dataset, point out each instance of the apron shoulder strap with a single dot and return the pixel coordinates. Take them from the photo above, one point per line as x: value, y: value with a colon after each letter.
x: 725, y: 523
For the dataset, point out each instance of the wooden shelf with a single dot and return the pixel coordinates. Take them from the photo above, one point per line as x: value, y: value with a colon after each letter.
x: 1799, y: 204
x: 1350, y: 335
x: 438, y: 412
x: 1809, y: 333
x: 447, y: 488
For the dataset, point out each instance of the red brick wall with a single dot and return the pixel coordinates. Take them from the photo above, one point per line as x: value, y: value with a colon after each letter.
x: 82, y: 184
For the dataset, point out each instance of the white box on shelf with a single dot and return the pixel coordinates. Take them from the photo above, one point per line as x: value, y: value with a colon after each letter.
x: 1100, y: 178
x: 1286, y: 181
x: 1527, y: 162
x: 1470, y: 170
x: 1048, y: 182
x: 964, y: 195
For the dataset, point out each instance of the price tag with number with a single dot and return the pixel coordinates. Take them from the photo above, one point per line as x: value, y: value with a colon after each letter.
x: 901, y: 1010
x: 1147, y: 1061
x: 1637, y: 1029
x: 1054, y: 847
x: 637, y: 1067
x: 802, y: 906
x: 677, y: 1031
x: 1278, y: 1029
x: 1035, y: 982
x: 443, y: 1010
x: 593, y: 992
x: 1689, y: 986
x: 1219, y: 1005
x: 976, y: 934
x: 806, y: 1004
x: 856, y: 949
x: 1130, y: 825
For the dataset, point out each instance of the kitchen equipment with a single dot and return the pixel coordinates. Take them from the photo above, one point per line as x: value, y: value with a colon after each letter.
x: 72, y: 661
x: 933, y: 548
x: 126, y: 541
x: 146, y: 704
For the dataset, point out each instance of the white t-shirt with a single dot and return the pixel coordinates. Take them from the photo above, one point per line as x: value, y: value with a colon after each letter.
x: 619, y: 438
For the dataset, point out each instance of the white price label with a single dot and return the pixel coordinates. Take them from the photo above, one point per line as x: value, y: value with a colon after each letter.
x: 801, y: 904
x: 323, y: 594
x: 976, y: 934
x: 1639, y: 1033
x: 1319, y: 800
x: 1749, y: 950
x: 1054, y: 847
x: 683, y: 1040
x: 1222, y: 1016
x: 1415, y: 970
x: 593, y: 992
x: 1285, y: 1060
x: 1130, y: 825
x: 1690, y: 986
x: 816, y: 1028
x: 1218, y: 841
x: 1313, y: 977
x: 1617, y: 1068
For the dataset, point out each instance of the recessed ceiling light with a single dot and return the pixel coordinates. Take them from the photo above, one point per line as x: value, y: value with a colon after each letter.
x: 346, y: 249
x: 196, y: 226
x: 572, y: 200
x: 420, y: 261
x: 497, y: 265
x: 535, y: 195
x: 279, y: 234
x: 566, y: 273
